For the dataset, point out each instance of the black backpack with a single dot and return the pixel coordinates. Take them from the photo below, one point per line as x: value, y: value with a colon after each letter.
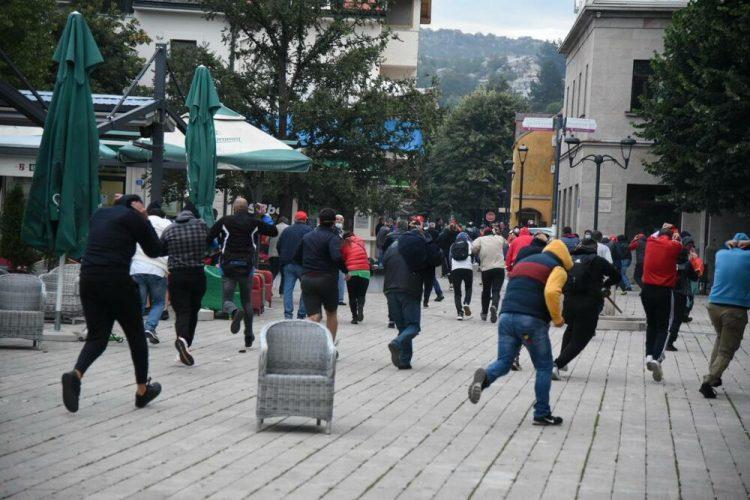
x: 460, y: 250
x: 580, y: 278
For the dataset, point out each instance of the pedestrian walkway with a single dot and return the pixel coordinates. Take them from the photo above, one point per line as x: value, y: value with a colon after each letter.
x: 396, y: 434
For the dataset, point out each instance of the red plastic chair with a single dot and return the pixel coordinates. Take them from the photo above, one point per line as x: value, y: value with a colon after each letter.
x: 257, y: 294
x: 267, y: 284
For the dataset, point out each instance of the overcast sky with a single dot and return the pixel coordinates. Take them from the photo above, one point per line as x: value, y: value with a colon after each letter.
x: 545, y: 19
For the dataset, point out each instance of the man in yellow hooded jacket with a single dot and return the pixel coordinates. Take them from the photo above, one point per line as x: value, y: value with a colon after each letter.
x: 533, y: 298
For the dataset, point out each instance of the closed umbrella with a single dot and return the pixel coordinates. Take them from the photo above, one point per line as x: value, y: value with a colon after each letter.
x: 200, y: 142
x: 65, y: 188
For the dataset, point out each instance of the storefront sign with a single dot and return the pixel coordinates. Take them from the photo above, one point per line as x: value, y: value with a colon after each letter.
x: 17, y: 166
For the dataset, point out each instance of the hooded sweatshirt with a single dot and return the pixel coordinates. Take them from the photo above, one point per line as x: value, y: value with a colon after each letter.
x: 731, y: 285
x: 535, y: 284
x: 142, y: 263
x: 185, y: 242
x: 523, y: 239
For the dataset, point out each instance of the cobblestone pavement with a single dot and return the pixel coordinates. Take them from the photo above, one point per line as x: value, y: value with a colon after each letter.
x: 396, y: 434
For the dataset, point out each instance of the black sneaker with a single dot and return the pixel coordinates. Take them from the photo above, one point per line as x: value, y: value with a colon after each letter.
x: 547, y: 420
x: 425, y: 305
x: 477, y: 385
x: 249, y: 339
x: 516, y: 365
x: 707, y: 391
x: 688, y: 320
x: 151, y: 336
x: 237, y: 317
x: 342, y: 303
x: 71, y: 388
x: 493, y: 314
x: 165, y: 315
x: 439, y: 298
x: 354, y: 321
x: 670, y: 348
x: 391, y: 324
x: 361, y: 314
x: 404, y: 366
x: 395, y: 354
x: 483, y: 316
x: 152, y: 391
x: 184, y: 352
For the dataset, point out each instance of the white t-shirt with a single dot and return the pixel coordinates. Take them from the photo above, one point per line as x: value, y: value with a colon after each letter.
x: 602, y: 250
x: 462, y: 264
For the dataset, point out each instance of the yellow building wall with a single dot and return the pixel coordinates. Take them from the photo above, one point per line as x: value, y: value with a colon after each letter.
x: 537, y: 176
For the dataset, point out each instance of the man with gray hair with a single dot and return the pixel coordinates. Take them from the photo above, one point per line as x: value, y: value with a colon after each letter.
x: 235, y: 234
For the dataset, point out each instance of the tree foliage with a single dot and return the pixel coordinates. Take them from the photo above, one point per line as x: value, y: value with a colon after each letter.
x: 465, y: 166
x: 304, y: 71
x: 547, y: 90
x: 698, y: 110
x: 12, y: 247
x: 30, y: 29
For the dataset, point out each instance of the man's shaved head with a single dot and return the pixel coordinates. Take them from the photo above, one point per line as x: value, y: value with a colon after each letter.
x: 239, y: 205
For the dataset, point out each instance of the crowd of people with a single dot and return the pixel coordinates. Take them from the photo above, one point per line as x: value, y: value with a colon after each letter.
x: 529, y: 280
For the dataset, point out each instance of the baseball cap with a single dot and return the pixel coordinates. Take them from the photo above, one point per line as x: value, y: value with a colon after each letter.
x: 300, y: 215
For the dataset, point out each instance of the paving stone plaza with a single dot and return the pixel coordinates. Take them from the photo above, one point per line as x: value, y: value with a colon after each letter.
x: 396, y: 434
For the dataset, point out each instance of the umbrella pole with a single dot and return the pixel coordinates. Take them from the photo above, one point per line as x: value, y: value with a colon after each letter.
x: 58, y: 295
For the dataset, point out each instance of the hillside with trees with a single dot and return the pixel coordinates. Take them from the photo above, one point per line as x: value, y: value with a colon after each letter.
x: 462, y: 62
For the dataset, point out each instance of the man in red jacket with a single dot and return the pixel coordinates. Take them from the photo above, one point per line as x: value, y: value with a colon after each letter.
x: 659, y: 278
x: 523, y: 239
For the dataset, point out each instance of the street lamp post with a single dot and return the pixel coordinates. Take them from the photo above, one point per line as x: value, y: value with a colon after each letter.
x: 523, y: 150
x: 509, y: 173
x: 626, y: 146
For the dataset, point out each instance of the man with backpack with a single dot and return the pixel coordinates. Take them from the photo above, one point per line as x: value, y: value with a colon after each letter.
x: 583, y: 301
x: 408, y: 262
x: 531, y: 301
x: 462, y: 271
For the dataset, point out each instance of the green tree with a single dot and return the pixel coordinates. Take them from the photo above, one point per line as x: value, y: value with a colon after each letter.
x: 30, y: 29
x: 698, y: 108
x: 547, y: 90
x: 306, y: 73
x: 466, y: 159
x: 12, y: 246
x: 27, y: 36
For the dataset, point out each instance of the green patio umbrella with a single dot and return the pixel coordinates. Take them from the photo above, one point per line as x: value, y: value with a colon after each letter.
x: 200, y: 142
x: 65, y: 188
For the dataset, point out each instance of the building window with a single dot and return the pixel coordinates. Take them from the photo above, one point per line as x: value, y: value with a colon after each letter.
x: 400, y: 13
x: 573, y: 98
x: 585, y: 90
x: 182, y: 44
x: 578, y: 109
x: 574, y: 218
x: 642, y: 71
x: 567, y: 99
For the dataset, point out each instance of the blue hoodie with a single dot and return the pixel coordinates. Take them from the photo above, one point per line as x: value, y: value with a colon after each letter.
x: 732, y: 276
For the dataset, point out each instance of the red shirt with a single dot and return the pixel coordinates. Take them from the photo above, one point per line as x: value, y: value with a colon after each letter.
x: 523, y: 239
x: 660, y: 261
x: 354, y: 254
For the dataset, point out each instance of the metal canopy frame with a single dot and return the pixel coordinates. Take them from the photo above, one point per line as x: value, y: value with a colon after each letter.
x: 36, y: 112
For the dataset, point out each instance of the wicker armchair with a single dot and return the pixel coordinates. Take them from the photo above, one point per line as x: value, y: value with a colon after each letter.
x: 296, y: 372
x: 22, y: 307
x: 71, y: 299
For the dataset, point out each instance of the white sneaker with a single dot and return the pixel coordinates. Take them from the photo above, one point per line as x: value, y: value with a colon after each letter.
x: 655, y: 368
x: 555, y: 373
x: 460, y: 317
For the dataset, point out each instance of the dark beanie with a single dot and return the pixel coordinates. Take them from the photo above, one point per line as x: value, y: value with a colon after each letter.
x: 154, y: 208
x: 190, y: 207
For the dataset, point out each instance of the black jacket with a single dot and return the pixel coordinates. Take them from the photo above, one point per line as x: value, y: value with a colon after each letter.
x: 446, y: 239
x: 599, y: 269
x: 290, y: 240
x: 235, y: 233
x: 113, y: 234
x: 399, y: 278
x: 320, y: 252
x: 685, y: 274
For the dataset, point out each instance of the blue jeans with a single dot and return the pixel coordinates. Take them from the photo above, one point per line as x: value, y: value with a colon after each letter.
x: 517, y: 329
x: 405, y: 310
x: 156, y: 287
x: 625, y: 283
x: 292, y: 273
x: 342, y: 286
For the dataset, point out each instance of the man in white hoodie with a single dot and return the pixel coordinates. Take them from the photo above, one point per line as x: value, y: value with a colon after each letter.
x: 151, y: 275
